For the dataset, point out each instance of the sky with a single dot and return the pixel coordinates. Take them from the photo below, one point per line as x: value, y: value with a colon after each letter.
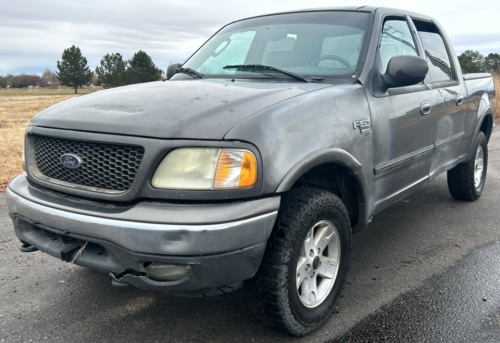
x: 34, y: 33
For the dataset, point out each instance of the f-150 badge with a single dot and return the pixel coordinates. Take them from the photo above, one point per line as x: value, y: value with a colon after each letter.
x: 362, y: 125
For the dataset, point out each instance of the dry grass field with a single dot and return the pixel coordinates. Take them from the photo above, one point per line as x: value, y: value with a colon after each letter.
x: 496, y: 77
x: 15, y: 114
x: 17, y: 107
x: 44, y: 91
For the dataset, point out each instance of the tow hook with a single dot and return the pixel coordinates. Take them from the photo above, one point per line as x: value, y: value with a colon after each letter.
x: 26, y: 247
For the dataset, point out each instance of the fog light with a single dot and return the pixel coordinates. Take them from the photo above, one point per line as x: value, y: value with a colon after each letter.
x: 166, y: 272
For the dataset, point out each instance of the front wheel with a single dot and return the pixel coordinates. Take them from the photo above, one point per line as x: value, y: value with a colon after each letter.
x: 466, y: 180
x: 305, y: 264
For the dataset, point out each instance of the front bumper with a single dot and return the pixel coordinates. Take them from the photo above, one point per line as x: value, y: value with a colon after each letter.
x: 221, y: 243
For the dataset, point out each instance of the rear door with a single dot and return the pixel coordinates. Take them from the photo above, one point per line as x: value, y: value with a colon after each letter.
x: 450, y: 108
x: 403, y: 121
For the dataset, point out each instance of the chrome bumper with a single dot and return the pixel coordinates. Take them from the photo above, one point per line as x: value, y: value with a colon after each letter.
x: 146, y: 237
x: 217, y: 254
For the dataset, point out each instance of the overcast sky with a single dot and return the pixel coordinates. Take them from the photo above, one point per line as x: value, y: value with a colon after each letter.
x: 34, y: 33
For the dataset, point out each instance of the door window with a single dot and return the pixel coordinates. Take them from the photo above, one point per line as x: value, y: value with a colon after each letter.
x: 435, y: 52
x: 396, y: 40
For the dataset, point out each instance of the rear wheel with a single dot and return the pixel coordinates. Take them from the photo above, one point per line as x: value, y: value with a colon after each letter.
x: 306, y: 263
x: 466, y: 180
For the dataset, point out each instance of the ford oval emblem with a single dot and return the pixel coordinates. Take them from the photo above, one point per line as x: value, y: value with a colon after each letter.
x: 71, y: 161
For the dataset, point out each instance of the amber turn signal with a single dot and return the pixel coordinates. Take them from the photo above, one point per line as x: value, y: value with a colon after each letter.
x: 235, y: 169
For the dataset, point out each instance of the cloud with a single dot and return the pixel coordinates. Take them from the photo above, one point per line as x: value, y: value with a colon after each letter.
x: 483, y: 42
x: 33, y: 34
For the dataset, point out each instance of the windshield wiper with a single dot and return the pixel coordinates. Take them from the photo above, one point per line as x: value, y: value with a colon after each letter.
x: 269, y: 68
x: 190, y: 72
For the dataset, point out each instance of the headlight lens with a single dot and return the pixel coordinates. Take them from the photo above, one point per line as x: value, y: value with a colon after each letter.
x: 187, y: 168
x: 206, y: 169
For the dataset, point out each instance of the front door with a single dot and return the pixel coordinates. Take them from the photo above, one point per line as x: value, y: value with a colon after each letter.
x: 403, y: 123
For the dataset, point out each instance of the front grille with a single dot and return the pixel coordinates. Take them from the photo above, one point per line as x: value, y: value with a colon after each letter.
x: 105, y: 167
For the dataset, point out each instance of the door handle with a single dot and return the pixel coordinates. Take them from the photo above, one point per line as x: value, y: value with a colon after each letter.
x: 425, y: 108
x: 459, y: 100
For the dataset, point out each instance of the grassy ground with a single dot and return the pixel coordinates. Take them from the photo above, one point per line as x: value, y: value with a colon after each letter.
x: 15, y: 113
x: 496, y: 78
x: 44, y: 91
x: 17, y: 107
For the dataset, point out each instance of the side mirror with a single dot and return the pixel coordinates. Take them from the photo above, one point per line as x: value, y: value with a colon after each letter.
x: 405, y: 70
x: 171, y: 69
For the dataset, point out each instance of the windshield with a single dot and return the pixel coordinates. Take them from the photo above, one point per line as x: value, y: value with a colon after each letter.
x: 321, y: 44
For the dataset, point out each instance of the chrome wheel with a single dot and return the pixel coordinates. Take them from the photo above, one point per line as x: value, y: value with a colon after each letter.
x: 318, y: 264
x: 478, y: 167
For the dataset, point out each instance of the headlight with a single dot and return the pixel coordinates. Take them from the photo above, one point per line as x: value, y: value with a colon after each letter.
x: 206, y: 169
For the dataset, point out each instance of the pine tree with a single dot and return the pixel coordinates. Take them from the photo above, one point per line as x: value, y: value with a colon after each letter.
x: 73, y: 69
x: 113, y: 71
x: 471, y: 61
x: 142, y: 69
x: 492, y: 63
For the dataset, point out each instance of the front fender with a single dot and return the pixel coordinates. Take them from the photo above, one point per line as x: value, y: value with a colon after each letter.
x: 315, y: 128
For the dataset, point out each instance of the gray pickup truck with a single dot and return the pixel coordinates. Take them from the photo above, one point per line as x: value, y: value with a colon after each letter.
x: 255, y: 160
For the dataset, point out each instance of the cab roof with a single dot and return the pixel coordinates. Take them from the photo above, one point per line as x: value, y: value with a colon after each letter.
x: 369, y: 9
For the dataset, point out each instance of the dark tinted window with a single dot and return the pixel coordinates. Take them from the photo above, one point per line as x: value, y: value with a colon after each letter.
x: 435, y: 52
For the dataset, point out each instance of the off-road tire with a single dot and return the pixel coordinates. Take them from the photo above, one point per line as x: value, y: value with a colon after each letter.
x: 461, y: 178
x: 272, y: 293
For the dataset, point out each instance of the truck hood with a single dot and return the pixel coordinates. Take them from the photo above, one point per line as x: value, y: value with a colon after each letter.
x: 191, y: 109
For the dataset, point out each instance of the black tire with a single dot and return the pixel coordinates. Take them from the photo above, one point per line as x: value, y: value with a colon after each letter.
x: 461, y: 179
x: 272, y: 294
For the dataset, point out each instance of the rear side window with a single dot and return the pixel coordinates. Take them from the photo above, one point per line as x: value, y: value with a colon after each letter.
x: 435, y: 52
x: 396, y: 40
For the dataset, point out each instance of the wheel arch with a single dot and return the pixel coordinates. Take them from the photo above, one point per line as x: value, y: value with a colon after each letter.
x: 337, y: 171
x: 485, y: 125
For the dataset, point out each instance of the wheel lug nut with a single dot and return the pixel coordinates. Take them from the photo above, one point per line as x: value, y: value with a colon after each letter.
x: 311, y: 252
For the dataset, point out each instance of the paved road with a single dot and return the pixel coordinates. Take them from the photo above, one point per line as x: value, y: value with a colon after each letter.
x: 426, y: 269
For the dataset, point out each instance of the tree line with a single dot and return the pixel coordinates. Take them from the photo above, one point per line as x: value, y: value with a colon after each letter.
x: 113, y: 71
x: 73, y: 71
x: 475, y: 62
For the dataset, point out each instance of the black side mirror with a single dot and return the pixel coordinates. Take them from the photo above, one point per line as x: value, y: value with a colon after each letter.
x: 171, y: 69
x: 405, y: 70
